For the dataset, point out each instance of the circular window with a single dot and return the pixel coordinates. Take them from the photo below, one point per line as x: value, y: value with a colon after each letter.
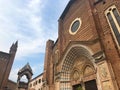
x: 74, y: 27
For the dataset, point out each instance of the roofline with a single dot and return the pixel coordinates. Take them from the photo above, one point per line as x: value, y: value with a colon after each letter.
x: 1, y: 52
x: 67, y: 8
x: 24, y: 68
x: 12, y: 81
x: 36, y: 77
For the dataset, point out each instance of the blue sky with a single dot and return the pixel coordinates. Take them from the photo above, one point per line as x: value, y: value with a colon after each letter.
x: 32, y: 23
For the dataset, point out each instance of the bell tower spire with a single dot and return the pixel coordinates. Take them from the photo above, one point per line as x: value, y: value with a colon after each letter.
x: 13, y: 48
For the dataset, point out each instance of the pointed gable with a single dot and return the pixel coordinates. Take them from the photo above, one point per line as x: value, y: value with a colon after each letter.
x: 26, y: 68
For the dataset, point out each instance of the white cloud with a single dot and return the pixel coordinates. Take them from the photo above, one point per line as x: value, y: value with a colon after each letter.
x: 30, y: 41
x: 13, y: 74
x: 34, y: 4
x: 24, y: 26
x: 23, y: 21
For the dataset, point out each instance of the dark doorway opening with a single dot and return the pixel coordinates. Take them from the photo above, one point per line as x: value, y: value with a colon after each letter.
x: 91, y: 85
x: 77, y: 87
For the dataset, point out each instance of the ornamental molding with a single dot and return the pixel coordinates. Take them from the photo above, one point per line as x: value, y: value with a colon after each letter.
x: 99, y: 56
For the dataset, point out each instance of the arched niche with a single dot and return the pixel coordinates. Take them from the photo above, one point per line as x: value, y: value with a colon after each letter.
x: 88, y: 70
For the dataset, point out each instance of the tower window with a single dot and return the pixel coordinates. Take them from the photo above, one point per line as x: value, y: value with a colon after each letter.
x: 113, y: 19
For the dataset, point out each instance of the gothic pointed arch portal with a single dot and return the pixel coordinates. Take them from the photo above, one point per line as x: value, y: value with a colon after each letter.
x: 25, y: 71
x: 78, y: 67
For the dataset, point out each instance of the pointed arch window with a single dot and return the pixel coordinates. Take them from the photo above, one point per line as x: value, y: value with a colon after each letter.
x: 117, y: 16
x: 113, y: 18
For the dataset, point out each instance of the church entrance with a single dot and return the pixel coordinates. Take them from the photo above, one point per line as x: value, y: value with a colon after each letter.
x: 91, y: 85
x: 78, y: 71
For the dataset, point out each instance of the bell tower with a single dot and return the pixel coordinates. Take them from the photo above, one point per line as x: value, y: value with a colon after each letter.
x: 6, y: 62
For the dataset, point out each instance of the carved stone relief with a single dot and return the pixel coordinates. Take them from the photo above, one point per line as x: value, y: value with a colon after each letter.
x: 105, y: 77
x: 76, y: 75
x: 107, y: 85
x: 79, y: 62
x: 103, y: 71
x: 88, y: 71
x: 81, y: 68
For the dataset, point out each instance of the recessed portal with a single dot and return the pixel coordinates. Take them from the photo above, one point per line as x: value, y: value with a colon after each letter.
x: 91, y: 85
x: 77, y: 66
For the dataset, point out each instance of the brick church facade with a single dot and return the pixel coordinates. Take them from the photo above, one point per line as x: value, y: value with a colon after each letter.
x: 86, y: 55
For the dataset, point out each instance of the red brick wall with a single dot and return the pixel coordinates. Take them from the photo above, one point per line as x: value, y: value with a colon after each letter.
x: 111, y: 50
x: 87, y: 31
x: 4, y: 58
x: 94, y: 25
x: 11, y: 85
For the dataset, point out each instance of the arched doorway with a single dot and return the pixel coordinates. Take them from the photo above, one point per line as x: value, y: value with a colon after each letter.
x: 78, y: 70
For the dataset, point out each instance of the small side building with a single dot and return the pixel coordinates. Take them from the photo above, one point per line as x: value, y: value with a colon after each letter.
x: 36, y: 83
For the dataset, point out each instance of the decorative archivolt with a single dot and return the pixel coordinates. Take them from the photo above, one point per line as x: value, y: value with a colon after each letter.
x: 73, y: 63
x: 76, y: 57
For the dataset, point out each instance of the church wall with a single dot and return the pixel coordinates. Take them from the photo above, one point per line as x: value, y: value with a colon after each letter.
x: 95, y: 35
x: 87, y: 32
x: 110, y: 46
x: 3, y: 65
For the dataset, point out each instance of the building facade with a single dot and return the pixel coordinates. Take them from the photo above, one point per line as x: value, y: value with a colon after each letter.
x: 6, y: 62
x: 36, y: 83
x: 86, y: 55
